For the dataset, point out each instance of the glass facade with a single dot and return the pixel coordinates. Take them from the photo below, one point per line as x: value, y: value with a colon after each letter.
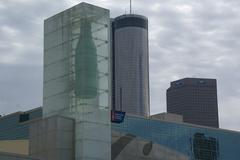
x: 172, y: 141
x: 11, y: 127
x: 77, y: 77
x: 130, y: 21
x: 130, y: 64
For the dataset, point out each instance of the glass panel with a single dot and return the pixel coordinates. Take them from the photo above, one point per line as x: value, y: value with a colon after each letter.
x: 77, y: 76
x: 172, y: 139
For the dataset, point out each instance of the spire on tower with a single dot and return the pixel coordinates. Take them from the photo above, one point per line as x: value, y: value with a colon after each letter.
x: 130, y: 6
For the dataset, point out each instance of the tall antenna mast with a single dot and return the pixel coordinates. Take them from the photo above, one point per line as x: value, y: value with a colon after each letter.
x: 130, y: 6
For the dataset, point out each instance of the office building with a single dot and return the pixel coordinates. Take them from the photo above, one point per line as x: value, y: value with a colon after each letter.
x: 195, y: 99
x: 130, y: 64
x: 136, y: 138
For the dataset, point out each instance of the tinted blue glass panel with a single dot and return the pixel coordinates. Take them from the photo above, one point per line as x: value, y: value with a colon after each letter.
x: 11, y: 127
x: 193, y: 141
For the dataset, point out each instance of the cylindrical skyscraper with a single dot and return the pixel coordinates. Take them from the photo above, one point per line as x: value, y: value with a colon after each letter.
x: 130, y: 64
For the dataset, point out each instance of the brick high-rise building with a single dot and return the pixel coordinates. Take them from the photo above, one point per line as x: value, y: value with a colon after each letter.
x: 195, y: 99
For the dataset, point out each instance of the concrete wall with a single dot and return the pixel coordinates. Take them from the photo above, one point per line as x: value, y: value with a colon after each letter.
x: 15, y: 146
x: 9, y: 156
x: 168, y: 117
x: 52, y: 138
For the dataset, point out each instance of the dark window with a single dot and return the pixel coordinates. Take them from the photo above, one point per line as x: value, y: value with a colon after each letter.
x: 205, y: 148
x: 130, y: 22
x: 179, y: 83
x: 202, y: 82
x: 24, y: 117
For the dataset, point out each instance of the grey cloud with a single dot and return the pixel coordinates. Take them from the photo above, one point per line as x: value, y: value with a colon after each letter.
x: 187, y: 38
x: 21, y: 87
x: 21, y: 52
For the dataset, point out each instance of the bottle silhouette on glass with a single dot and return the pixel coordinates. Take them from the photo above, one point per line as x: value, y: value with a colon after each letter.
x: 86, y: 63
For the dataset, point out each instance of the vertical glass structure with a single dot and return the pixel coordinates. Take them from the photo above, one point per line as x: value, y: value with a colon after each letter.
x: 130, y: 62
x: 77, y: 76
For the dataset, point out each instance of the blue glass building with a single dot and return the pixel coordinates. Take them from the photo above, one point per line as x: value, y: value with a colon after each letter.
x: 167, y: 140
x: 16, y: 126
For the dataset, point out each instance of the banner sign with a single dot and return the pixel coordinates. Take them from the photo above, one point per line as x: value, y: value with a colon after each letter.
x: 117, y: 116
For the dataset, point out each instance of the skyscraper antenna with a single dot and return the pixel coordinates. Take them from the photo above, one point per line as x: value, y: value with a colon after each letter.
x: 130, y: 6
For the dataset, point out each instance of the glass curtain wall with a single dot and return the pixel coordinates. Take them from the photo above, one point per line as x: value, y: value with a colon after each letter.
x: 77, y: 76
x: 157, y: 139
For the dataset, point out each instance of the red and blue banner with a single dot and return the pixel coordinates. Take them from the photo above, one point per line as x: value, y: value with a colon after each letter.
x: 117, y: 116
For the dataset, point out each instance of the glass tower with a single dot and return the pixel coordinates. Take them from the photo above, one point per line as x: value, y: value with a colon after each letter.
x: 130, y: 64
x: 77, y: 76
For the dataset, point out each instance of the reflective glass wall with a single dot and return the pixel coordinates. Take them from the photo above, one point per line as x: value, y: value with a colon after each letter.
x: 77, y: 77
x: 149, y: 139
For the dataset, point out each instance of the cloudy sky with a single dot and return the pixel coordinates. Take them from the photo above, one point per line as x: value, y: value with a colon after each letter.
x: 188, y: 38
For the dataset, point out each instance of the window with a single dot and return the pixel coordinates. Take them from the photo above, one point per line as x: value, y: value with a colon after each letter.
x: 205, y: 148
x: 24, y: 117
